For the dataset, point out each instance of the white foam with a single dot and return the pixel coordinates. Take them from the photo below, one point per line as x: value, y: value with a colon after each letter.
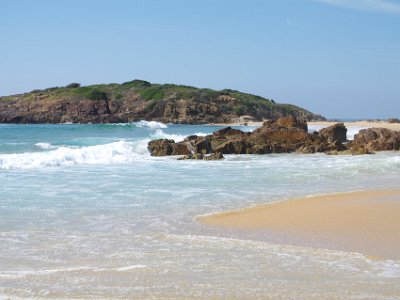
x: 160, y: 134
x: 117, y: 152
x: 44, y: 145
x: 151, y: 124
x: 127, y: 268
x: 352, y: 131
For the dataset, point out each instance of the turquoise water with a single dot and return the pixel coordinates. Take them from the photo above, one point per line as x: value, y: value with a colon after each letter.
x: 85, y: 211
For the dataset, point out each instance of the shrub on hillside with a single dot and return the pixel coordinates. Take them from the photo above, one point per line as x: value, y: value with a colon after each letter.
x: 96, y: 94
x: 137, y: 83
x: 73, y: 85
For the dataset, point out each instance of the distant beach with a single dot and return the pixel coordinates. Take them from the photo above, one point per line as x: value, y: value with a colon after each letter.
x: 364, y: 123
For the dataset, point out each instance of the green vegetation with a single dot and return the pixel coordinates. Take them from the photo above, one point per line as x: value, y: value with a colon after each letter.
x: 97, y: 95
x: 91, y: 92
x: 137, y: 84
x: 153, y: 93
x: 73, y: 85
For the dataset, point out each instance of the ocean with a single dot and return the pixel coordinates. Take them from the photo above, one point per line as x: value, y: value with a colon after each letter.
x: 86, y: 212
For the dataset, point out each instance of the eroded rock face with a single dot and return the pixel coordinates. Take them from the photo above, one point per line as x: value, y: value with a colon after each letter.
x: 337, y: 132
x: 375, y: 139
x: 287, y: 122
x: 283, y: 135
x: 165, y: 147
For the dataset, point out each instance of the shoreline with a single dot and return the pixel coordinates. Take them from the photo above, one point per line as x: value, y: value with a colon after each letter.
x: 365, y: 123
x: 366, y: 222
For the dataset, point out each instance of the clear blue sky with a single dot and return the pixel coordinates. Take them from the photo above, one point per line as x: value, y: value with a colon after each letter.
x: 339, y: 58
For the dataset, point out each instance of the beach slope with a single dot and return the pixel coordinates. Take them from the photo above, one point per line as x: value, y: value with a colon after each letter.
x: 367, y: 222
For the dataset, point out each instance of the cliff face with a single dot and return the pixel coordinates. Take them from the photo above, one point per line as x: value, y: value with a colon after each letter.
x: 139, y: 100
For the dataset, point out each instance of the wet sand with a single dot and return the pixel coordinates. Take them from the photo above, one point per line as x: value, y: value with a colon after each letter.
x: 366, y: 222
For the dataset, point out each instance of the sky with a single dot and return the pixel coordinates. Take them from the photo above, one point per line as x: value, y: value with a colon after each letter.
x: 338, y: 58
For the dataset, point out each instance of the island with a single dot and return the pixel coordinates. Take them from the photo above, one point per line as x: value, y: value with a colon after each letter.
x: 141, y: 100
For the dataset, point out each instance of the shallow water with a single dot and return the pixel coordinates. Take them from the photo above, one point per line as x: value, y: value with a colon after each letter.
x: 85, y: 211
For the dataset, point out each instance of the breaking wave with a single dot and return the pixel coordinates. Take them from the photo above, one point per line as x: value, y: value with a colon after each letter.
x: 44, y: 146
x: 159, y: 134
x: 150, y: 124
x: 117, y: 152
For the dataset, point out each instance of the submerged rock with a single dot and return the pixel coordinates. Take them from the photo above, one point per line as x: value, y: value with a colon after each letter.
x: 200, y: 156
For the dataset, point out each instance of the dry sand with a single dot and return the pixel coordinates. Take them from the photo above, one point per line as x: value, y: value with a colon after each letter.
x: 366, y: 222
x: 367, y: 124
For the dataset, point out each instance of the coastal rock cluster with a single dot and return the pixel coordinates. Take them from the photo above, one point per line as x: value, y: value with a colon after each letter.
x: 282, y: 135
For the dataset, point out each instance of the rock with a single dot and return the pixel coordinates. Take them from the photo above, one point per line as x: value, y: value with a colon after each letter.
x: 214, y: 156
x: 275, y: 137
x: 199, y: 156
x: 228, y: 132
x: 230, y: 146
x: 336, y: 132
x: 287, y: 122
x: 164, y: 147
x: 376, y: 139
x: 353, y: 151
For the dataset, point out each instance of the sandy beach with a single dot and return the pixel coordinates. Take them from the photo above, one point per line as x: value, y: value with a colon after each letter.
x: 367, y: 222
x: 365, y: 123
x: 369, y: 124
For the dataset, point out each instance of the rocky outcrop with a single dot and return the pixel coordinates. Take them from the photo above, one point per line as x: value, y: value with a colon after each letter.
x: 165, y: 147
x: 140, y: 100
x: 284, y: 135
x: 375, y: 139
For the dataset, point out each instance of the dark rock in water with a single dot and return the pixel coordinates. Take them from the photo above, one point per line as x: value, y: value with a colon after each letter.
x: 199, y: 156
x: 165, y: 147
x: 227, y: 146
x: 336, y: 132
x: 375, y: 139
x: 228, y: 132
x: 284, y: 135
x: 214, y: 156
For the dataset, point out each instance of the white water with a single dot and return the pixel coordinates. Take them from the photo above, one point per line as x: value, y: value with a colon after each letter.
x: 86, y: 212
